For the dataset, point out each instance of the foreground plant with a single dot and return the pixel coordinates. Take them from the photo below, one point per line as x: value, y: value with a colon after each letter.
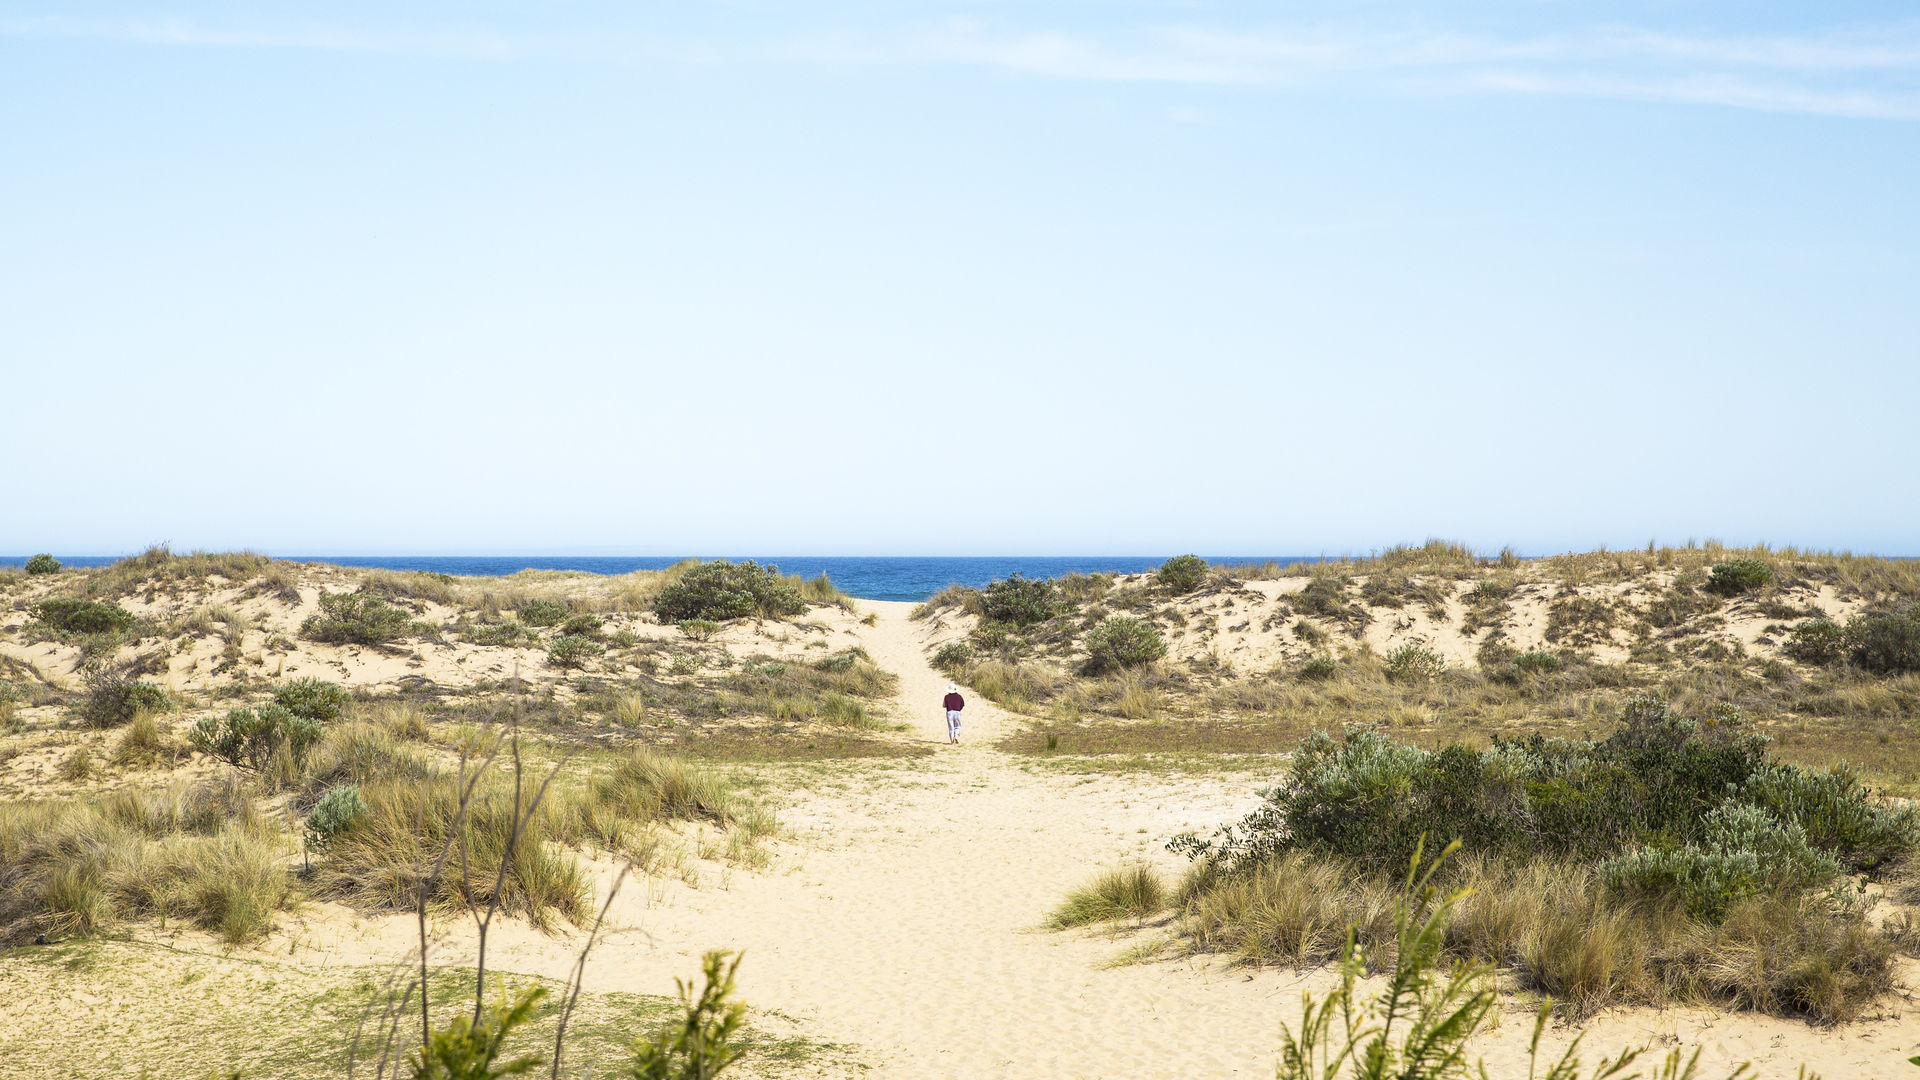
x: 1418, y: 1027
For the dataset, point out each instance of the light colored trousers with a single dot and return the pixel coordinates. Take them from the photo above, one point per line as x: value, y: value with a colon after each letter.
x: 953, y: 723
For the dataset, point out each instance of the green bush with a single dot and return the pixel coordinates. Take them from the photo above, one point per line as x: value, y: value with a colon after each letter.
x: 1885, y: 644
x: 952, y: 657
x: 249, y: 738
x: 42, y: 564
x: 1020, y: 600
x: 1181, y: 574
x: 1739, y: 576
x: 1534, y: 663
x: 334, y: 814
x: 1122, y: 641
x: 350, y: 619
x: 582, y: 625
x: 113, y: 696
x: 718, y: 591
x: 82, y: 616
x: 1414, y: 663
x: 505, y: 633
x: 698, y: 629
x: 1817, y: 641
x: 1745, y: 853
x: 573, y: 651
x: 1319, y: 667
x: 542, y: 613
x: 1677, y: 801
x: 315, y: 699
x: 991, y: 636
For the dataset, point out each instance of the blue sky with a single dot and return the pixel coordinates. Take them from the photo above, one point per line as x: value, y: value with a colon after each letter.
x: 958, y: 278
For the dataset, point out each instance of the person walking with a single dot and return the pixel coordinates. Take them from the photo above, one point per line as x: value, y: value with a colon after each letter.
x: 953, y: 704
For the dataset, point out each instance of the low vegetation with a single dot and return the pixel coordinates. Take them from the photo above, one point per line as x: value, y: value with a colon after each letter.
x: 720, y: 591
x: 1637, y: 868
x: 356, y: 619
x: 42, y: 563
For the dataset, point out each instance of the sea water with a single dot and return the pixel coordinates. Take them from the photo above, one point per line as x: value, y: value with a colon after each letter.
x: 881, y: 577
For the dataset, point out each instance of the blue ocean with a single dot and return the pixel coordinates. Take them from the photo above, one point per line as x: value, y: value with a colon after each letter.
x: 892, y: 577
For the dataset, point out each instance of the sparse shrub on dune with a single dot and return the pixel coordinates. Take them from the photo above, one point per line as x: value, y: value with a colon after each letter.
x: 571, y: 651
x: 952, y: 658
x: 1414, y: 663
x: 1817, y: 641
x: 1020, y: 600
x: 542, y: 613
x: 719, y: 591
x: 253, y: 738
x: 334, y: 814
x: 114, y: 697
x: 42, y: 564
x: 315, y: 699
x: 1181, y: 574
x: 1122, y: 641
x: 1737, y: 576
x: 70, y: 615
x: 502, y: 633
x: 586, y: 624
x: 966, y: 600
x: 351, y: 619
x: 698, y: 629
x: 1318, y: 667
x: 1885, y: 644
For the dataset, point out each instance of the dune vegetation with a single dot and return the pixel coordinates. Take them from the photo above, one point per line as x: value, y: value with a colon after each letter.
x: 1820, y: 652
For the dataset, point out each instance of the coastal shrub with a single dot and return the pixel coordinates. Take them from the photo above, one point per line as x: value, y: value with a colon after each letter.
x: 74, y: 616
x: 42, y: 564
x: 1817, y: 641
x: 699, y: 629
x: 1746, y: 852
x: 1122, y: 641
x: 719, y: 591
x: 1534, y: 662
x: 1738, y: 576
x: 542, y: 613
x: 316, y: 699
x: 1318, y: 667
x: 251, y: 738
x: 1414, y: 663
x: 1885, y: 644
x: 350, y: 619
x: 584, y: 624
x: 950, y: 659
x: 114, y: 696
x: 334, y: 814
x: 1020, y: 600
x: 991, y: 636
x: 573, y: 651
x: 1656, y: 783
x: 501, y: 633
x: 1181, y: 574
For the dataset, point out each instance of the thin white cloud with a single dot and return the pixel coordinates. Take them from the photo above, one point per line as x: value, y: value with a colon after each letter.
x: 1871, y: 72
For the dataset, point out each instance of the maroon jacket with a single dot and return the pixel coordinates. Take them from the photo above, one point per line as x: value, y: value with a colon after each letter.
x: 954, y: 702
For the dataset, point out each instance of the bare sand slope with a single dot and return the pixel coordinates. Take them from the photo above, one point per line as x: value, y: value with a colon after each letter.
x: 907, y: 924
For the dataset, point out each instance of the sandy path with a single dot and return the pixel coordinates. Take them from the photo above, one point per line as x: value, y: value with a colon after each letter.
x: 905, y: 922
